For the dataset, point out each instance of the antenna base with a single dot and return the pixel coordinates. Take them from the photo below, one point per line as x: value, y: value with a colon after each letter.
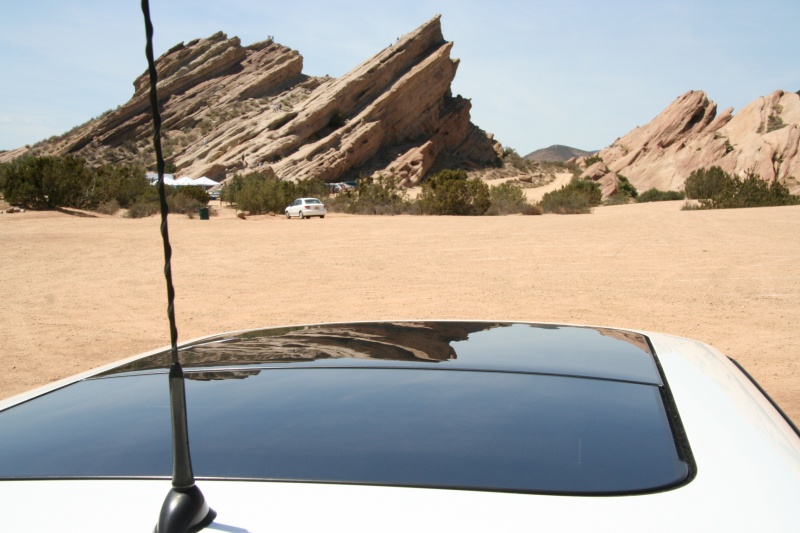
x: 184, y: 511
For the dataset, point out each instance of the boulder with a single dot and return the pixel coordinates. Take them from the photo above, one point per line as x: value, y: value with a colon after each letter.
x: 609, y: 184
x: 595, y: 171
x: 241, y: 214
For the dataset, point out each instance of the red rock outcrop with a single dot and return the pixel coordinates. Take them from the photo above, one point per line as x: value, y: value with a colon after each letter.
x: 229, y: 108
x: 689, y: 134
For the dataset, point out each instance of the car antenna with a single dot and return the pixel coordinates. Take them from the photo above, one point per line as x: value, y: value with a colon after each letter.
x: 185, y: 509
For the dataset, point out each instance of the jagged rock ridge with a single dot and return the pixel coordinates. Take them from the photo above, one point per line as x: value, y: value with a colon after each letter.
x: 763, y: 137
x: 229, y: 108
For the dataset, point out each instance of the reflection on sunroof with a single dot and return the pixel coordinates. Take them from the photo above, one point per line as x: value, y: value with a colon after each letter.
x: 567, y: 350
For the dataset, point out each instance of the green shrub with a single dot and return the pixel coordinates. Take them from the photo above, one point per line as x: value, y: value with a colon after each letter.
x: 529, y: 209
x: 262, y: 193
x: 123, y: 184
x: 383, y: 196
x: 617, y: 199
x: 579, y: 196
x: 752, y: 191
x: 506, y: 198
x: 48, y: 182
x: 449, y: 192
x: 775, y: 123
x: 142, y: 209
x: 626, y: 188
x: 109, y: 208
x: 704, y: 183
x: 654, y: 195
x: 182, y: 203
x: 518, y: 162
x: 591, y: 160
x: 4, y: 167
x: 197, y: 194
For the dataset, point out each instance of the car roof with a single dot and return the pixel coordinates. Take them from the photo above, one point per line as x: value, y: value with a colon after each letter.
x: 565, y: 382
x: 748, y: 471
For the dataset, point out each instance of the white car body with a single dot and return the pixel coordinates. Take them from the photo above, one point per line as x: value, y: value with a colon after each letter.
x: 306, y: 208
x: 747, y: 479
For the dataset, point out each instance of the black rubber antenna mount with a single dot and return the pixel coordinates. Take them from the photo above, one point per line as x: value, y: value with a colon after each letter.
x: 185, y: 509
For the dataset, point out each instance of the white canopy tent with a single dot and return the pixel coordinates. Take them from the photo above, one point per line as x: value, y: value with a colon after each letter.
x: 186, y: 180
x: 153, y: 177
x: 205, y: 182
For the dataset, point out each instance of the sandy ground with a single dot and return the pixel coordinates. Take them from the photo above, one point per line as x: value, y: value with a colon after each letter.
x: 79, y: 292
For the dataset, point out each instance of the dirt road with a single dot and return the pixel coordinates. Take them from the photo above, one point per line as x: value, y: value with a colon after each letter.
x: 79, y: 292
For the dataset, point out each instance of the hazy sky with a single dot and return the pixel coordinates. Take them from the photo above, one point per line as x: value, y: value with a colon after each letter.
x: 578, y: 73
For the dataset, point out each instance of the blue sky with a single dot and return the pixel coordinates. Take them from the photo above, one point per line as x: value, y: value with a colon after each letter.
x: 578, y: 73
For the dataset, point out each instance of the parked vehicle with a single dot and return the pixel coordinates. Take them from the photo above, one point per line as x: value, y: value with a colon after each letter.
x: 306, y: 208
x: 474, y: 426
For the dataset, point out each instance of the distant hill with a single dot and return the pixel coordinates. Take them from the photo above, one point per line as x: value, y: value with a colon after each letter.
x: 557, y: 152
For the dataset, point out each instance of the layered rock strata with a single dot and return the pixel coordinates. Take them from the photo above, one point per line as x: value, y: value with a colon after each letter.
x: 689, y: 134
x: 228, y: 108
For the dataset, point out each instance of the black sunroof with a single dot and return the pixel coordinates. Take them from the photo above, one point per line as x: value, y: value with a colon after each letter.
x: 459, y: 429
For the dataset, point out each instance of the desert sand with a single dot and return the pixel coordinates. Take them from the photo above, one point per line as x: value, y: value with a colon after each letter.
x: 78, y: 292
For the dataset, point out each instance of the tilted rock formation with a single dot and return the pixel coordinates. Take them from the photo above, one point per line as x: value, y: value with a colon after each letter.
x: 764, y: 137
x: 229, y: 108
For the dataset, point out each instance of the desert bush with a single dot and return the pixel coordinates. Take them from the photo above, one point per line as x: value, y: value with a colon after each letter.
x: 109, y: 208
x: 449, y: 192
x: 579, y: 196
x: 181, y: 203
x: 591, y: 160
x: 704, y: 183
x: 716, y: 189
x: 381, y: 196
x: 142, y: 208
x: 752, y: 191
x: 518, y: 162
x: 48, y: 182
x: 197, y: 194
x: 4, y: 167
x: 261, y: 193
x: 626, y: 188
x: 775, y: 122
x: 654, y: 195
x: 617, y: 199
x: 529, y: 209
x: 506, y: 198
x: 120, y: 183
